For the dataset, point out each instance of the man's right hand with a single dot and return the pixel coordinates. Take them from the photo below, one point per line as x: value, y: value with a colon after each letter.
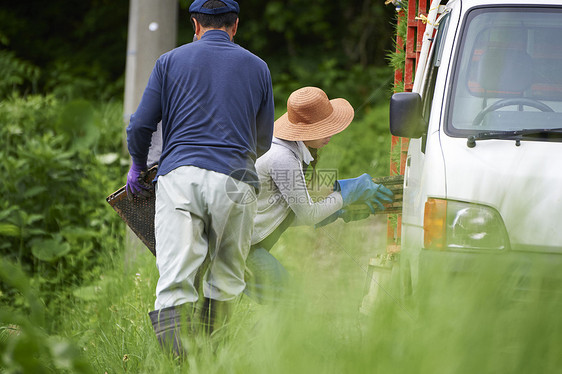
x: 136, y: 185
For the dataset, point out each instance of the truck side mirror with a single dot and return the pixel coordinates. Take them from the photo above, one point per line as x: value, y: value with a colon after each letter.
x: 406, y: 118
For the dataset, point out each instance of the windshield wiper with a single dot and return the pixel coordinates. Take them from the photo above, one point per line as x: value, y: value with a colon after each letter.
x: 517, y: 135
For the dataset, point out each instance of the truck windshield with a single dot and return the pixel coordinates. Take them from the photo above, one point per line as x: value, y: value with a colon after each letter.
x: 508, y: 74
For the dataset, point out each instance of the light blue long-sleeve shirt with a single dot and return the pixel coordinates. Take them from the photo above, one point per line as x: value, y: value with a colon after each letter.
x: 284, y: 190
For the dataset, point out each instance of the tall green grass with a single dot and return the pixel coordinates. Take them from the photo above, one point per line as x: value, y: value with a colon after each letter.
x: 468, y: 327
x: 328, y: 269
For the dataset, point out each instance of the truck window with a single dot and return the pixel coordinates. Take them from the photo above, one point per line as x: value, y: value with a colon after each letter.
x: 435, y: 62
x: 508, y: 71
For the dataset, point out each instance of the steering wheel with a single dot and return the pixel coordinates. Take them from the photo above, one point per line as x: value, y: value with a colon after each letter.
x: 510, y: 101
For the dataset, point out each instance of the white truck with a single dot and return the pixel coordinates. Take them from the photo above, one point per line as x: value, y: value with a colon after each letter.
x: 483, y: 174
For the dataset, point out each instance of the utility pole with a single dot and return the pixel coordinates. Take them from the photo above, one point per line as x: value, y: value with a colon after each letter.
x: 152, y: 31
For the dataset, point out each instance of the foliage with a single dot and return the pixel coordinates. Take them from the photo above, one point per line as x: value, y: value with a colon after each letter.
x: 361, y: 148
x: 333, y: 45
x: 363, y: 87
x: 73, y: 48
x: 25, y: 346
x: 16, y: 73
x: 305, y: 29
x: 397, y: 57
x: 76, y: 49
x: 352, y: 32
x: 53, y: 217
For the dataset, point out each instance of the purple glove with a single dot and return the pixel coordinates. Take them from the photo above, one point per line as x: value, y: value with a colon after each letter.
x: 135, y: 182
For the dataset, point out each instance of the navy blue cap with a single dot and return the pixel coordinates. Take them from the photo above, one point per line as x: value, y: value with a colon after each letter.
x: 231, y: 6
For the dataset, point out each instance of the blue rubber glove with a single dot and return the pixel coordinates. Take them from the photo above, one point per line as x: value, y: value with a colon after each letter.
x: 136, y: 186
x: 363, y: 190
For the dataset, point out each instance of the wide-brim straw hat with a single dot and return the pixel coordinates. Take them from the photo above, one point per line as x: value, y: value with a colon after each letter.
x: 311, y: 115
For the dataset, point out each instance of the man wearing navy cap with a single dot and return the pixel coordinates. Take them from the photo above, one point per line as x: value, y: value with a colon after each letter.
x: 215, y: 101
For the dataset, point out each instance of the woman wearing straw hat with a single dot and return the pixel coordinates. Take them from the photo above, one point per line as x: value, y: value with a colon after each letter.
x: 284, y: 200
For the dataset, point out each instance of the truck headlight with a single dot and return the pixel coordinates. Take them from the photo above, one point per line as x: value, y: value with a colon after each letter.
x: 450, y: 224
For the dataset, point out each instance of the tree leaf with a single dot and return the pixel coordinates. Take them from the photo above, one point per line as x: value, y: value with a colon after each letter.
x: 8, y: 229
x: 49, y: 249
x: 34, y: 191
x: 75, y: 233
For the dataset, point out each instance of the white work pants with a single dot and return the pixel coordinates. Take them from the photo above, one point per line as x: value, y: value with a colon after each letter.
x: 201, y: 213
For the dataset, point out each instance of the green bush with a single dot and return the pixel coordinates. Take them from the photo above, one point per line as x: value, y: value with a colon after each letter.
x: 25, y: 345
x: 364, y: 147
x: 361, y: 86
x: 56, y: 171
x: 15, y: 73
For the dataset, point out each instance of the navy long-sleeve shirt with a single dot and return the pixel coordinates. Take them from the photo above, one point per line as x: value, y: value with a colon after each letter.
x: 215, y: 101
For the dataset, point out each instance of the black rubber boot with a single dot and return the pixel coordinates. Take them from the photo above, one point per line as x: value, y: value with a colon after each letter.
x: 214, y: 314
x: 169, y: 323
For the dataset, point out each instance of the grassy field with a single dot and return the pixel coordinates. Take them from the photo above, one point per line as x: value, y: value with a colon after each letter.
x: 319, y: 329
x: 307, y: 333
